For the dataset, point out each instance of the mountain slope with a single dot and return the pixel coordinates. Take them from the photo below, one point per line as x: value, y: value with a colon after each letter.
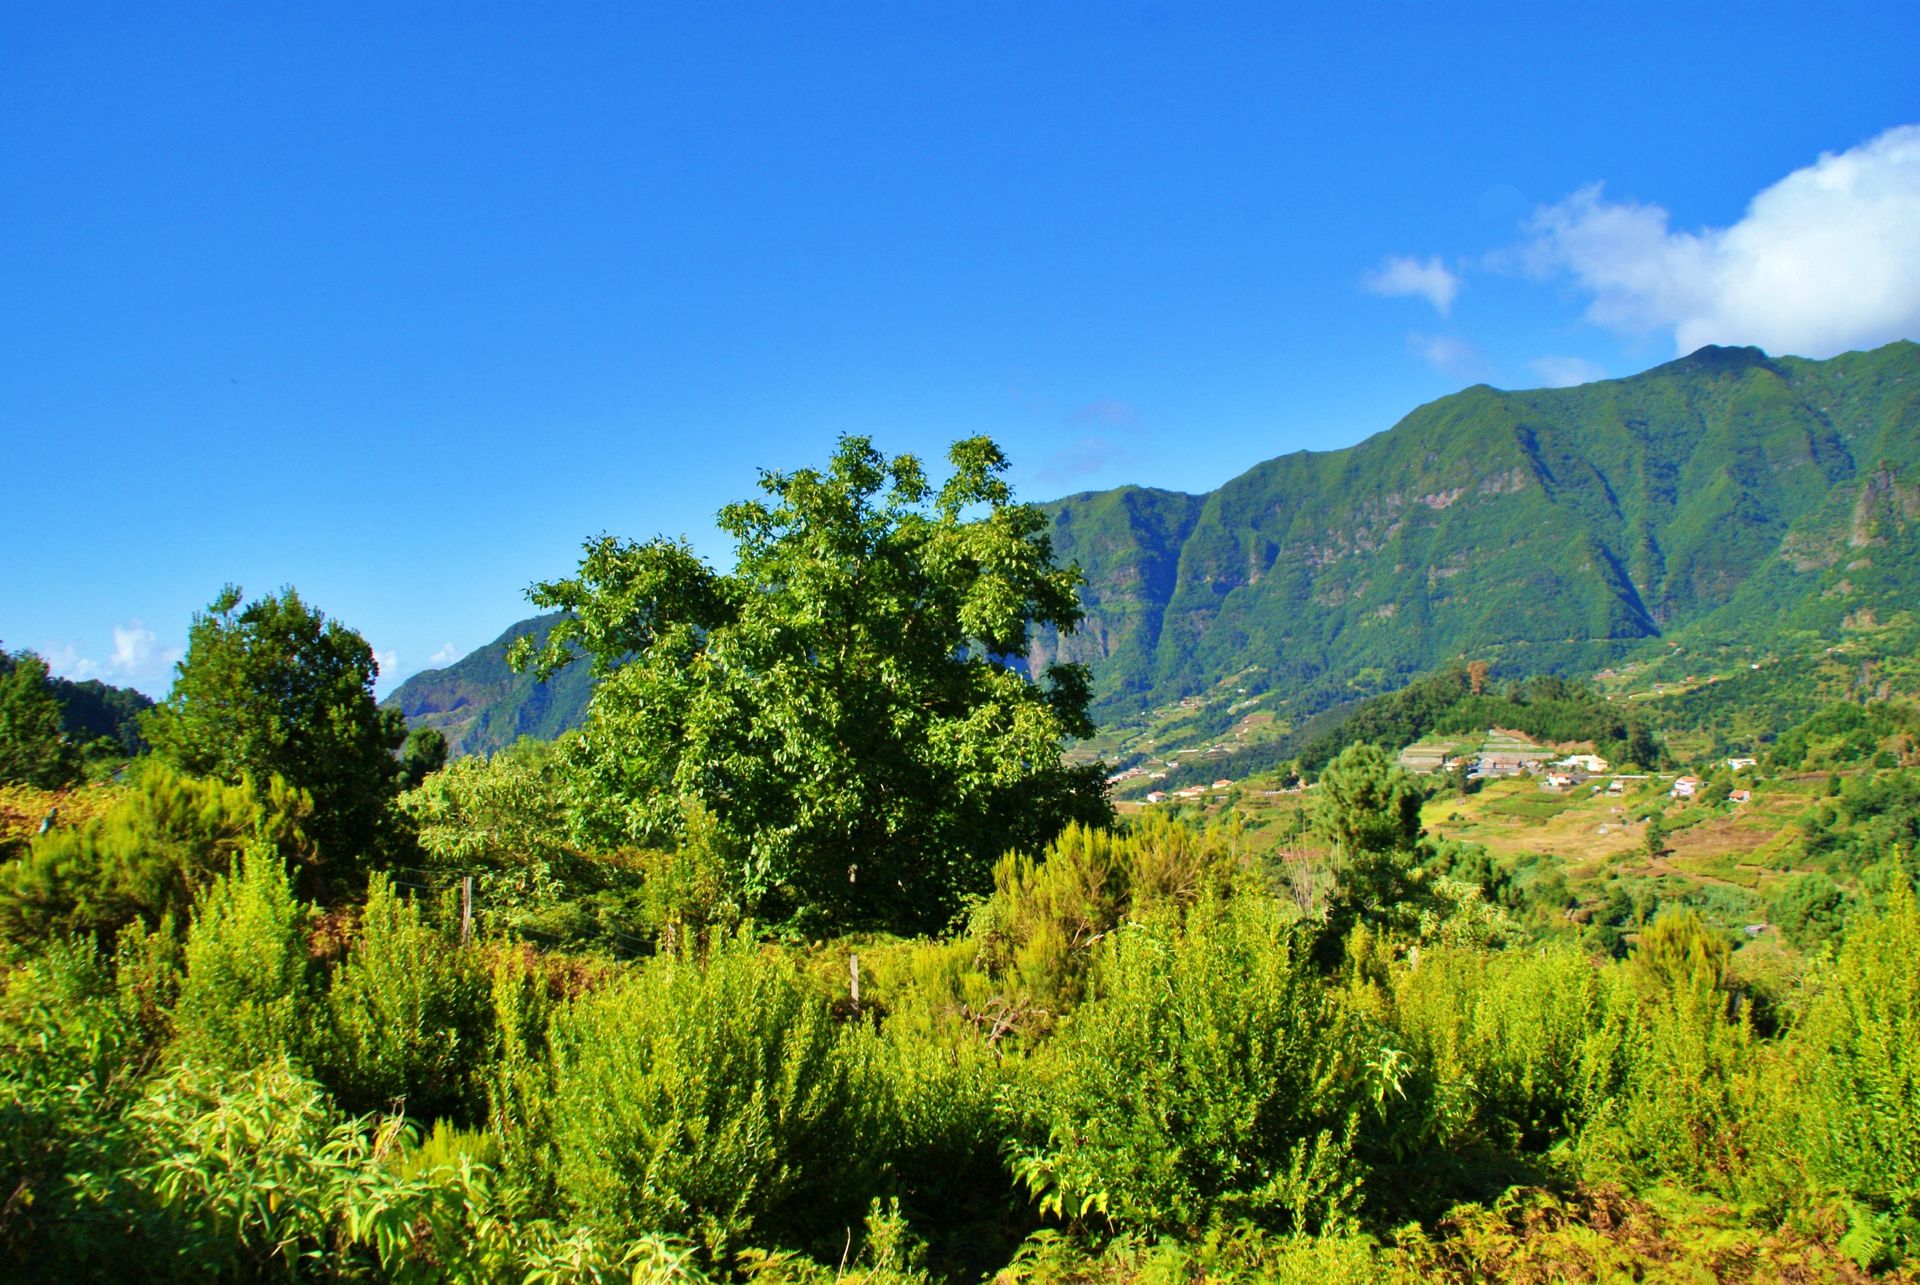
x: 481, y: 705
x: 1553, y: 530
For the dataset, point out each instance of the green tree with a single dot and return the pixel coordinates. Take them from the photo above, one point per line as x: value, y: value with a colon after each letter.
x: 850, y: 702
x: 1365, y: 803
x: 1654, y: 838
x: 1369, y: 810
x: 275, y: 687
x: 424, y: 754
x: 32, y: 749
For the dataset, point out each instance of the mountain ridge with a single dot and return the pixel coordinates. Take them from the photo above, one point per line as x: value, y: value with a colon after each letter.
x: 1725, y: 495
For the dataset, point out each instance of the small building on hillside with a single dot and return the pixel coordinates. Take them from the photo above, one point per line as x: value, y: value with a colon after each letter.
x: 1686, y: 787
x: 1591, y: 764
x: 1742, y: 764
x: 1557, y: 781
x: 1740, y: 796
x: 1157, y: 796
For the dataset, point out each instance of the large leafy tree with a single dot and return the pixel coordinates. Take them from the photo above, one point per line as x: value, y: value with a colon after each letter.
x: 276, y: 688
x: 849, y: 702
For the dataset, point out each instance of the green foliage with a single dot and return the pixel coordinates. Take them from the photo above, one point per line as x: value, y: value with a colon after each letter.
x: 1037, y: 935
x: 689, y: 893
x: 1844, y: 734
x: 841, y: 701
x: 248, y: 996
x: 70, y: 1052
x: 149, y: 855
x: 1859, y: 1053
x: 1369, y: 811
x: 410, y: 1015
x: 1210, y: 1077
x: 1365, y: 804
x: 276, y: 688
x: 1503, y: 1034
x: 33, y: 748
x: 1811, y: 910
x: 1678, y: 950
x: 717, y: 1101
x: 1671, y: 1087
x: 423, y: 754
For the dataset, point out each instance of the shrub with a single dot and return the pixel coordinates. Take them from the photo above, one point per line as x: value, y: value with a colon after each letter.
x: 1502, y: 1034
x: 248, y: 992
x: 1860, y: 1052
x: 69, y: 1060
x: 256, y: 1175
x: 1039, y: 930
x: 1210, y: 1077
x: 717, y: 1101
x: 410, y: 1015
x: 148, y: 856
x: 1670, y: 1086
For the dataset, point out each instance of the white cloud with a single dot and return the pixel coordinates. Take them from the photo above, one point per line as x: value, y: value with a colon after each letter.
x: 1428, y: 279
x: 388, y: 661
x: 1565, y: 372
x: 1825, y: 260
x: 1450, y: 355
x: 447, y: 654
x: 137, y: 659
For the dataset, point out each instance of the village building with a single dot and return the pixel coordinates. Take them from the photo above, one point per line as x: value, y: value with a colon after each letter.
x: 1686, y: 787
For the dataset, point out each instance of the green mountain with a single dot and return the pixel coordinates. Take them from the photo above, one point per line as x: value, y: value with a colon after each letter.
x: 1726, y: 501
x: 481, y: 705
x: 1726, y: 496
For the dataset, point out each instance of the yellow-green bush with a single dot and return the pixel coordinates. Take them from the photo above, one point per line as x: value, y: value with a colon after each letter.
x: 1858, y: 1062
x: 1502, y: 1035
x: 249, y: 990
x: 1211, y: 1076
x: 147, y: 856
x: 1037, y: 934
x: 411, y: 1016
x: 717, y: 1100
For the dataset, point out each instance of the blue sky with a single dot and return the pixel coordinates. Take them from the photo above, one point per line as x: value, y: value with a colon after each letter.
x: 398, y: 303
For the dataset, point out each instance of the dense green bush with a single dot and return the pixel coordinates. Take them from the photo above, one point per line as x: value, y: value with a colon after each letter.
x: 70, y: 1053
x: 716, y: 1100
x: 1502, y: 1033
x: 1671, y: 1077
x: 1859, y: 1050
x: 249, y: 992
x: 411, y: 1015
x: 148, y: 856
x: 1211, y: 1076
x: 1038, y: 931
